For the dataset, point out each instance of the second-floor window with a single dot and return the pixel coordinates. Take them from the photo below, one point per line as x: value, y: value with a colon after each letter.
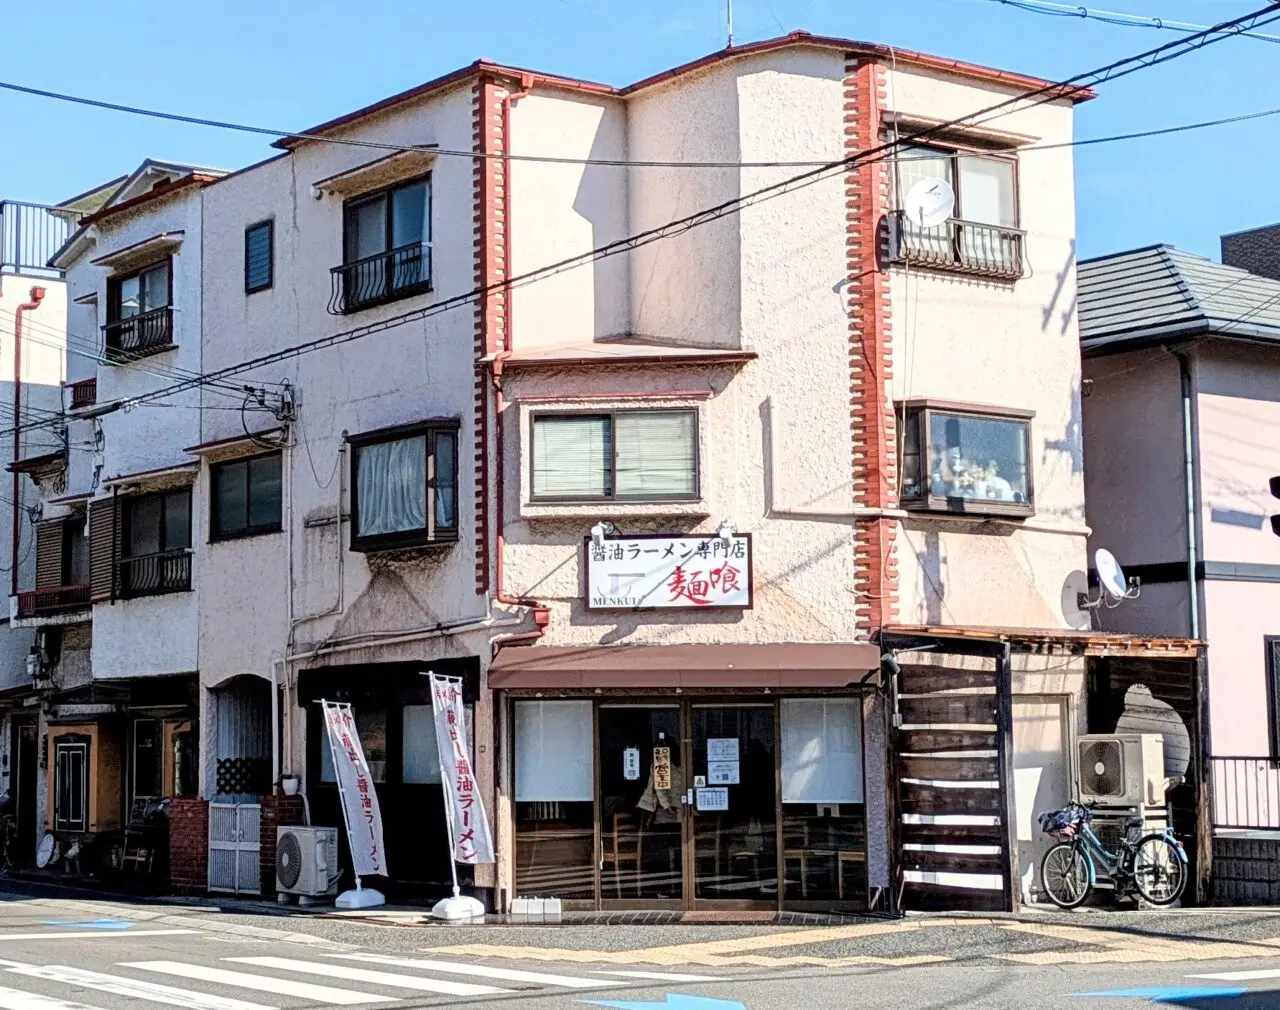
x: 139, y: 311
x: 156, y: 543
x: 259, y: 253
x: 405, y: 487
x: 386, y: 246
x: 631, y: 455
x: 983, y: 235
x: 246, y: 496
x: 966, y: 459
x: 75, y: 552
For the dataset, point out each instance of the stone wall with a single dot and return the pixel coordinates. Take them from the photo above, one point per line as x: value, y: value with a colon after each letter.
x: 189, y: 845
x: 1246, y: 871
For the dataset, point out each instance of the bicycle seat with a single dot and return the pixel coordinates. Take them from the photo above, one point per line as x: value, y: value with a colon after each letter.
x: 1133, y: 822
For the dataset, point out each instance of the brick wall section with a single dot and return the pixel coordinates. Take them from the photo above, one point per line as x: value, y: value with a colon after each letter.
x: 1246, y: 871
x: 276, y: 811
x: 188, y: 845
x: 1257, y: 251
x: 490, y: 184
x: 871, y: 415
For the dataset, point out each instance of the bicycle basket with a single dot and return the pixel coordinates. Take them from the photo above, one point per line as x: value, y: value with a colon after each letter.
x: 1061, y: 824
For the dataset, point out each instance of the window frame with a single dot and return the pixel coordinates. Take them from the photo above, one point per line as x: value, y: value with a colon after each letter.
x: 919, y: 413
x: 612, y: 415
x: 270, y: 225
x: 1271, y: 664
x: 69, y: 525
x: 216, y: 534
x: 116, y: 281
x: 72, y: 744
x: 430, y: 534
x: 355, y: 200
x: 954, y: 151
x: 126, y: 530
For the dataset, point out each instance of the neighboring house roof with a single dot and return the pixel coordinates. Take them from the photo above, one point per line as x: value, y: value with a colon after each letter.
x: 1157, y: 294
x: 532, y: 78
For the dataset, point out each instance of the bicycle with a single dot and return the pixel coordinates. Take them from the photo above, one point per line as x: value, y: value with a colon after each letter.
x: 1154, y: 864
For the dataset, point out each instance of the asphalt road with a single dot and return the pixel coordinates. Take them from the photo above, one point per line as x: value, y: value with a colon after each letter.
x: 69, y: 954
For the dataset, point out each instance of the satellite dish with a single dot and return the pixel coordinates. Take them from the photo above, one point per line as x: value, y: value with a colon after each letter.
x: 45, y: 850
x: 929, y: 203
x: 1110, y: 574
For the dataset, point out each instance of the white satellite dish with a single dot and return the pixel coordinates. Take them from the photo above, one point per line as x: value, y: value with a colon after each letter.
x: 1116, y: 588
x: 929, y: 203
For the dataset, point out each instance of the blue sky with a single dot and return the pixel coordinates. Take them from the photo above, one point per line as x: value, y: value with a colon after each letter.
x: 290, y: 64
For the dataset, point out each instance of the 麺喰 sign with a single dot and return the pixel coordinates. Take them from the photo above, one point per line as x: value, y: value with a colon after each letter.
x: 644, y: 572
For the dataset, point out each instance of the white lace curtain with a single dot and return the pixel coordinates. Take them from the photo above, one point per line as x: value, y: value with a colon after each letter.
x: 391, y: 482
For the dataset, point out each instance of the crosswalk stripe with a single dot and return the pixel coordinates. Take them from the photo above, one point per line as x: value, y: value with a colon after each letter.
x: 16, y: 999
x: 664, y: 976
x: 263, y: 983
x: 480, y: 971
x: 1241, y: 976
x: 133, y: 988
x: 386, y: 978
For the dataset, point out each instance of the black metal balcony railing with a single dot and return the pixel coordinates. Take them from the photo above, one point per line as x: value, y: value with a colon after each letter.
x: 139, y: 335
x: 30, y: 233
x: 40, y: 602
x: 83, y: 393
x: 962, y: 246
x: 384, y: 277
x: 153, y: 574
x: 1246, y: 793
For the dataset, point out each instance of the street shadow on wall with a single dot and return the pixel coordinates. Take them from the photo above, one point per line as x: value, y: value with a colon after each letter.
x: 1059, y: 304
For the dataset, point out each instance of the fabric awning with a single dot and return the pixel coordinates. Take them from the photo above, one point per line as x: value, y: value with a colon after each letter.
x: 775, y: 665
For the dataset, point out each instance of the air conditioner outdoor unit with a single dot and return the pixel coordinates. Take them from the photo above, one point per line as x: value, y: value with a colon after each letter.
x: 307, y: 861
x: 1122, y: 769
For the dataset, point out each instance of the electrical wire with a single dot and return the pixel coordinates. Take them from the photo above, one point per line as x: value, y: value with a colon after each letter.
x: 1116, y: 18
x: 1053, y: 91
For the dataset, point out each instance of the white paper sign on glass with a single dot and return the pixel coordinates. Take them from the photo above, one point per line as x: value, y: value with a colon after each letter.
x: 658, y: 572
x: 631, y: 764
x: 713, y: 798
x: 722, y: 773
x: 722, y: 748
x: 359, y: 798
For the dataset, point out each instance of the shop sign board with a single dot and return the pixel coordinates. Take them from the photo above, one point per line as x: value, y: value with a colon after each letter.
x: 662, y: 573
x: 631, y: 764
x: 662, y: 768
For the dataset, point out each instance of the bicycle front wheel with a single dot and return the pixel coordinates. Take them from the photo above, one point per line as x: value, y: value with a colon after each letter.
x: 1064, y: 875
x: 1159, y: 873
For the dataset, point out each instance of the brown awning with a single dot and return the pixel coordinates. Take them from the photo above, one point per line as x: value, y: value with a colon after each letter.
x: 780, y: 665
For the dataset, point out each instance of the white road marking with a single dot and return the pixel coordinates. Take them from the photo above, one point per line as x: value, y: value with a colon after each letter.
x: 120, y: 986
x: 16, y: 999
x: 263, y: 983
x: 386, y: 978
x: 664, y: 976
x: 1241, y: 976
x: 480, y: 971
x: 95, y: 934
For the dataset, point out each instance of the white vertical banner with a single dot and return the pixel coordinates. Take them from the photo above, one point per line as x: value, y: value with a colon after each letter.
x: 355, y: 786
x: 464, y: 809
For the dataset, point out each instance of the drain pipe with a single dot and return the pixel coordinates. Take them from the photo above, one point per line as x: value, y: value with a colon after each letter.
x: 1189, y: 484
x: 37, y: 296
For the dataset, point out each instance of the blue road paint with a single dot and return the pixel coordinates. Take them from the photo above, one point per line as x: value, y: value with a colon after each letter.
x: 95, y: 924
x: 1170, y: 994
x: 674, y: 1001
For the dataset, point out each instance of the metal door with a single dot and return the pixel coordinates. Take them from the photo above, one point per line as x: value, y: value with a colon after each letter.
x: 235, y: 847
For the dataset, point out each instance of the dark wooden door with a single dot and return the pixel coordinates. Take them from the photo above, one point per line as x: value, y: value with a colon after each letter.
x: 953, y: 807
x: 27, y: 779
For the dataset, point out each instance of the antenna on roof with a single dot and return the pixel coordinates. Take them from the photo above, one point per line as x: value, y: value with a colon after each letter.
x: 728, y: 4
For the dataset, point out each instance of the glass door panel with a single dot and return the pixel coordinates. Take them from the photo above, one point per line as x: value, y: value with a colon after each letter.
x: 642, y: 784
x: 735, y: 841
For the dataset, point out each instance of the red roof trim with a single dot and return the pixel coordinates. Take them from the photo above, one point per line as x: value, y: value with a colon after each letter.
x: 154, y: 193
x: 798, y: 38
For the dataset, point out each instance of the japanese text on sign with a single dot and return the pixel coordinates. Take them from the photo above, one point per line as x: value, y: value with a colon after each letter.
x: 669, y: 572
x: 359, y: 800
x: 662, y: 768
x: 467, y: 822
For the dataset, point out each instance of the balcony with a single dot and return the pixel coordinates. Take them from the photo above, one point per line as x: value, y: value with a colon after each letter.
x: 155, y: 574
x: 48, y: 602
x: 1246, y: 793
x: 83, y: 393
x: 30, y: 233
x: 140, y: 335
x: 383, y: 277
x: 958, y: 246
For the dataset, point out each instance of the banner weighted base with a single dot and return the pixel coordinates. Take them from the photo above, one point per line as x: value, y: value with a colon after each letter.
x: 457, y: 907
x: 360, y: 897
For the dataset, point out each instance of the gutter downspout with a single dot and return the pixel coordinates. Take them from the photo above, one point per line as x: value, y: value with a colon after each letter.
x: 541, y: 613
x: 1192, y: 493
x: 37, y: 296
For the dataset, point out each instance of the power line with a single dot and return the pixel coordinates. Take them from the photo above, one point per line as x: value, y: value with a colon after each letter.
x: 1116, y: 18
x: 1037, y: 96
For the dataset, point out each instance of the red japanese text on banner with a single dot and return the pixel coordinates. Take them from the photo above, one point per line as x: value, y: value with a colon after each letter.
x: 359, y: 800
x: 471, y: 840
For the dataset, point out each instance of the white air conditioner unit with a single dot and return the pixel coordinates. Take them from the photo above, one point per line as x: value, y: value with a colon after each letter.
x: 307, y: 861
x: 1122, y: 769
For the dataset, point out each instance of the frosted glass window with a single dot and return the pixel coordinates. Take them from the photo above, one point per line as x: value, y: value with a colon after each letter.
x: 821, y: 750
x: 987, y: 191
x: 421, y: 759
x: 553, y: 751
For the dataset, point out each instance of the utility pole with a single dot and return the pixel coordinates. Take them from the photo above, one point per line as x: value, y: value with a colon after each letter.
x: 729, y: 17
